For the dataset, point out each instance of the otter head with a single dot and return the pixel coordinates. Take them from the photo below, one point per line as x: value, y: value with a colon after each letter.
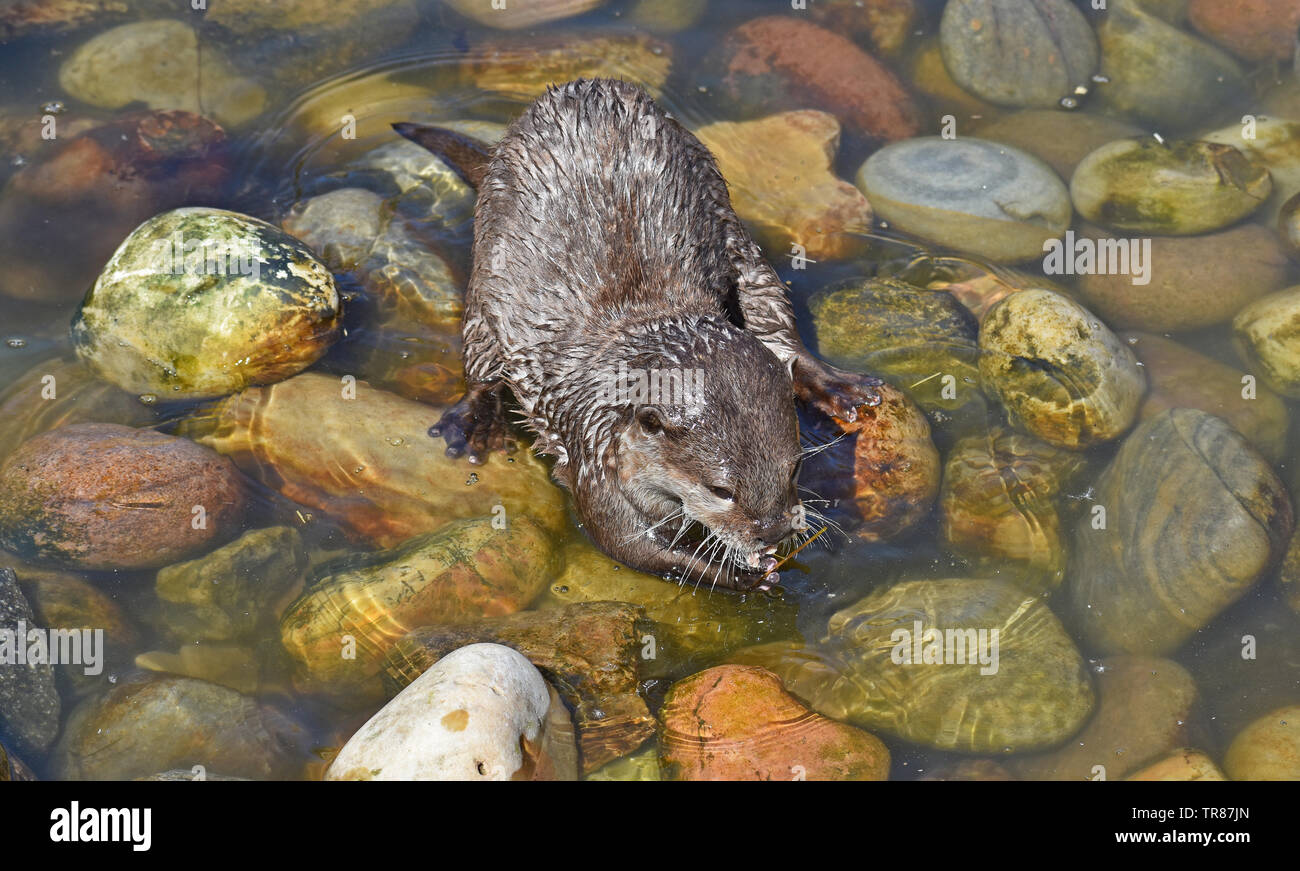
x: 708, y: 452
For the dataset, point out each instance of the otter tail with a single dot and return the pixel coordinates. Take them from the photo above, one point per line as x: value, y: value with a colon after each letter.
x: 467, y: 156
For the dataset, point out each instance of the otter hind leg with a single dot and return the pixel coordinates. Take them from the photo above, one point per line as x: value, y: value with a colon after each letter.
x: 477, y: 423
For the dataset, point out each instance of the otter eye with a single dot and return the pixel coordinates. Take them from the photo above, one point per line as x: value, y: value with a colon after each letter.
x: 723, y: 493
x: 650, y: 420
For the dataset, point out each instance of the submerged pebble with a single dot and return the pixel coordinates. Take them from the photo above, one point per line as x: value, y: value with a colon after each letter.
x: 1059, y: 372
x: 1185, y: 520
x: 1182, y: 378
x: 1267, y: 337
x: 363, y: 458
x: 1190, y: 282
x: 975, y: 196
x: 225, y: 594
x: 340, y: 629
x: 778, y: 63
x: 890, y: 663
x: 65, y: 213
x: 1146, y: 708
x: 1157, y: 74
x: 104, y: 496
x: 1000, y: 503
x: 159, y: 63
x: 922, y: 341
x: 1267, y: 749
x: 1055, y: 50
x: 736, y: 722
x: 154, y: 723
x: 1178, y: 188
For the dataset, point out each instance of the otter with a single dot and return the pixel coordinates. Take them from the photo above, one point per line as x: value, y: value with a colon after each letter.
x: 650, y: 347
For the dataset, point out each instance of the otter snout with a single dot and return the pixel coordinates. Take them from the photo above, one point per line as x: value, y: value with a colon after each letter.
x: 774, y: 531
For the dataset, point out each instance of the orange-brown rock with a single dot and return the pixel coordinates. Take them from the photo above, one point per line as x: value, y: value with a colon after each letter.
x: 104, y: 496
x: 1253, y: 29
x: 782, y: 63
x: 64, y: 214
x: 736, y: 722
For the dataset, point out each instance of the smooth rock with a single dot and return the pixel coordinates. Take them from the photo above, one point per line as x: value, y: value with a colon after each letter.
x: 1256, y: 30
x: 953, y: 697
x: 103, y: 496
x: 351, y: 614
x: 201, y: 302
x: 252, y: 17
x: 886, y: 469
x: 736, y: 722
x: 523, y: 68
x: 1181, y: 378
x: 980, y: 197
x: 778, y: 63
x: 640, y: 766
x: 1058, y: 138
x: 159, y: 63
x: 1289, y: 576
x: 1267, y: 337
x: 228, y: 665
x: 59, y: 392
x: 1193, y: 517
x: 65, y: 213
x: 884, y: 24
x: 483, y: 712
x: 1194, y: 282
x: 225, y: 594
x: 971, y: 769
x: 155, y: 723
x: 64, y: 601
x: 1055, y: 50
x: 1273, y: 142
x: 692, y: 626
x: 1157, y: 74
x: 926, y: 74
x: 1059, y: 372
x: 29, y: 702
x: 519, y: 16
x: 1146, y: 709
x: 363, y: 457
x: 921, y: 341
x: 1267, y: 749
x: 590, y: 652
x: 1000, y: 503
x: 1182, y: 765
x: 1179, y: 188
x: 340, y: 226
x: 780, y: 175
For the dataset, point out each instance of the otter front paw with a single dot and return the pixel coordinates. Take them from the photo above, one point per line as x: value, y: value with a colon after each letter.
x: 476, y: 424
x: 833, y: 392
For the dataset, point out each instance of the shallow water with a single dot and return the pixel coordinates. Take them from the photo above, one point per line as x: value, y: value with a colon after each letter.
x: 292, y: 151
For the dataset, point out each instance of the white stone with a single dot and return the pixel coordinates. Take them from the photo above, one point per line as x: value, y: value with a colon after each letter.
x: 482, y: 712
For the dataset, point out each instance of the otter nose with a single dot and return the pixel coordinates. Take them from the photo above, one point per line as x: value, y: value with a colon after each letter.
x: 772, y: 531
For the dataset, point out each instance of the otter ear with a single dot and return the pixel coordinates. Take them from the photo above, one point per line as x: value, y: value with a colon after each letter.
x: 651, y: 420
